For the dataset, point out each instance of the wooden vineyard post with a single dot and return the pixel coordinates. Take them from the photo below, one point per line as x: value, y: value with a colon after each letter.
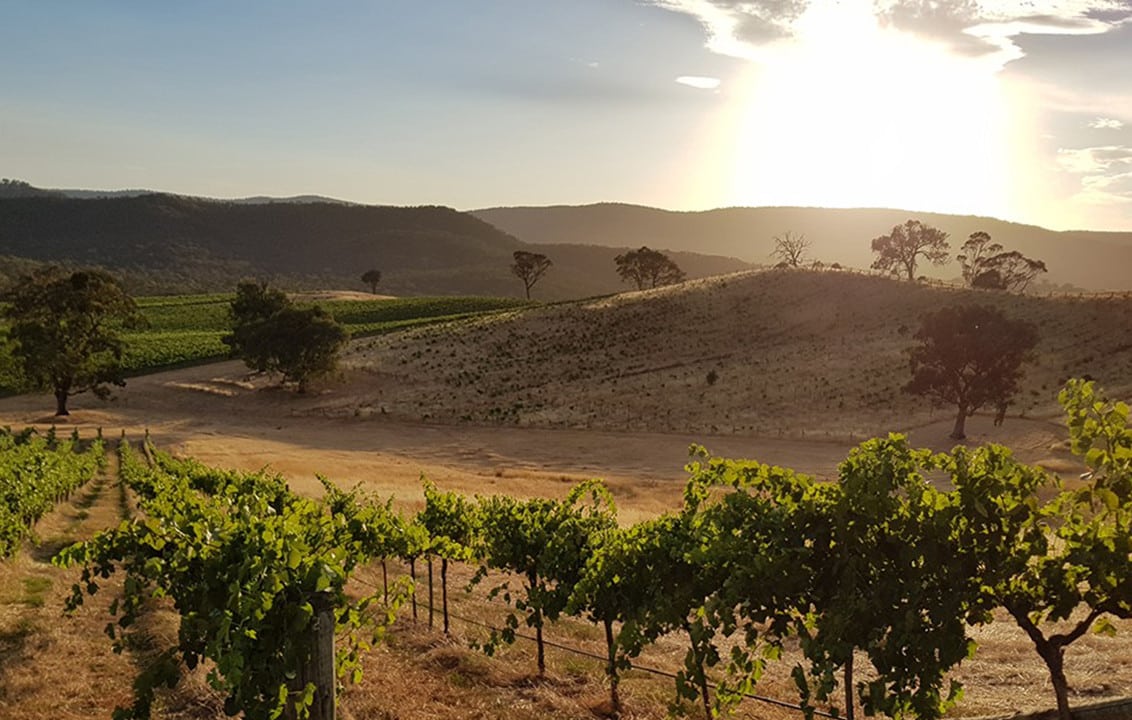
x: 318, y: 662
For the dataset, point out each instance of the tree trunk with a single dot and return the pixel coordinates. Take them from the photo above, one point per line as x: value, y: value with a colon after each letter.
x: 431, y: 604
x: 384, y: 581
x: 700, y: 672
x: 611, y: 668
x: 1054, y: 657
x: 849, y: 688
x: 958, y: 433
x: 538, y: 641
x: 1053, y: 653
x: 61, y: 403
x: 528, y: 291
x: 444, y: 590
x: 532, y: 584
x: 413, y: 575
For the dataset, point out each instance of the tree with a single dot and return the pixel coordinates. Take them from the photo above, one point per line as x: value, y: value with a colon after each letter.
x: 450, y: 521
x: 303, y: 344
x: 880, y: 587
x: 1011, y: 271
x: 1062, y: 566
x: 372, y: 278
x: 971, y: 357
x: 648, y: 268
x: 974, y: 253
x: 986, y: 265
x: 250, y: 313
x: 546, y: 543
x: 529, y: 267
x: 273, y: 336
x: 790, y: 249
x: 66, y: 332
x: 643, y: 579
x: 898, y: 251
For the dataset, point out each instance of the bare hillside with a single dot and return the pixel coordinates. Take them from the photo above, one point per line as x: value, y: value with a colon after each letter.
x: 799, y: 353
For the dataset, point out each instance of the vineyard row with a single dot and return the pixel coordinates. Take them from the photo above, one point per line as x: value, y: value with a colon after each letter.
x: 882, y: 566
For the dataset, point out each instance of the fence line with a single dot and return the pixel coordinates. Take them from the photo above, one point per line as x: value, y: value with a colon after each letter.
x: 959, y: 285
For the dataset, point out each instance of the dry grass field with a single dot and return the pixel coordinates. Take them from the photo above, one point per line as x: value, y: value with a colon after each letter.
x: 806, y: 365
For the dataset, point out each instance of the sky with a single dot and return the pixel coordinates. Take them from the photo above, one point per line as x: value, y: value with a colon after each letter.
x: 1017, y: 109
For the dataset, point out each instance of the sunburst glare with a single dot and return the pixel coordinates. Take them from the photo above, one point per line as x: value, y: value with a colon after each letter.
x: 849, y: 113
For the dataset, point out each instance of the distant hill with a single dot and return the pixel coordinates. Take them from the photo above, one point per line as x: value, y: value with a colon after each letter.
x: 166, y: 243
x: 19, y: 189
x: 22, y: 188
x: 256, y: 200
x: 1091, y: 260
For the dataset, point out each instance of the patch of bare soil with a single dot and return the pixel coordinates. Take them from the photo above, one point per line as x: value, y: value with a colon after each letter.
x: 318, y: 295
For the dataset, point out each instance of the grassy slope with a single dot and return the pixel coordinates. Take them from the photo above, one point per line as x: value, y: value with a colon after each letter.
x: 793, y: 352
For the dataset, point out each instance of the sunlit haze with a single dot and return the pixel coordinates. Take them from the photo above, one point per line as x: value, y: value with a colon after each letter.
x: 849, y: 114
x: 1019, y: 110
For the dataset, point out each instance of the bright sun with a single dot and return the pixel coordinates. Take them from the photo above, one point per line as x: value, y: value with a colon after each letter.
x: 849, y: 114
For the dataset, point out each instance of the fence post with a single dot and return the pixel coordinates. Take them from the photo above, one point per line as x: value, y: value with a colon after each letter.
x: 322, y: 659
x: 317, y: 662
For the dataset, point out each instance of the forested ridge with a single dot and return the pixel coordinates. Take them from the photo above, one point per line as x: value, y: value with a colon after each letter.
x: 166, y: 243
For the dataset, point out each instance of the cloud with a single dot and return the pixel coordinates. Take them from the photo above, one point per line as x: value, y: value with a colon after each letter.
x: 988, y: 27
x: 741, y: 28
x: 738, y: 28
x: 1106, y: 172
x: 1103, y: 123
x: 698, y: 82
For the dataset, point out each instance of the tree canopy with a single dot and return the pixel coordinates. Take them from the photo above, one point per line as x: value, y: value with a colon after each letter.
x: 65, y: 331
x: 648, y: 268
x: 900, y: 250
x: 790, y: 249
x: 271, y: 335
x: 529, y: 267
x: 372, y: 278
x: 971, y: 357
x: 987, y: 265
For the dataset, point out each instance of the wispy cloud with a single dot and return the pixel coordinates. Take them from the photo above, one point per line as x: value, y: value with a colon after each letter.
x: 988, y: 27
x: 1103, y: 123
x: 1106, y: 173
x: 972, y: 27
x: 699, y: 82
x: 738, y: 28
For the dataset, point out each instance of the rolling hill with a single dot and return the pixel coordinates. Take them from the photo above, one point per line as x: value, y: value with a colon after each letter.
x: 794, y: 352
x: 167, y: 243
x: 1089, y: 260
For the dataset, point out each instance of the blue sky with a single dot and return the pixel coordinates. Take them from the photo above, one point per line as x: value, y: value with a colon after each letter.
x: 1015, y: 109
